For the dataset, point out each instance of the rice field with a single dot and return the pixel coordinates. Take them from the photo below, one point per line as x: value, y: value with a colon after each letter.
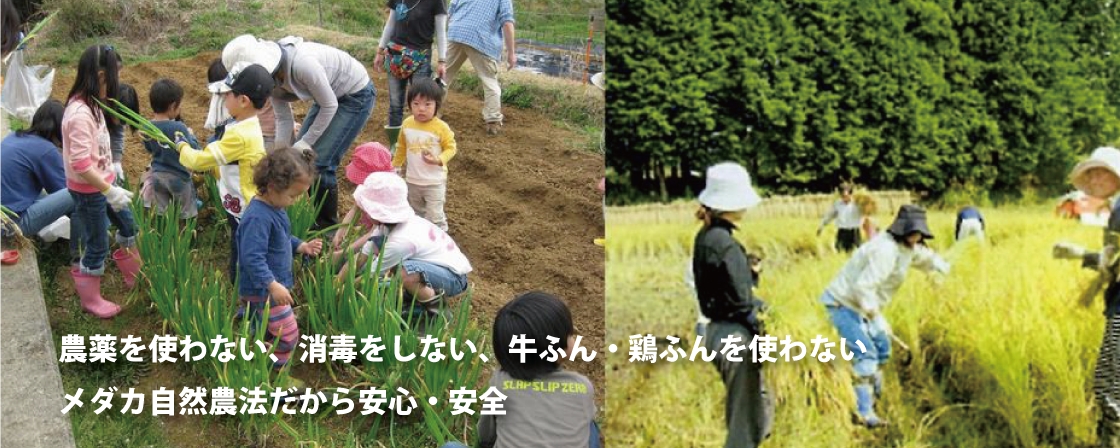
x: 1001, y: 353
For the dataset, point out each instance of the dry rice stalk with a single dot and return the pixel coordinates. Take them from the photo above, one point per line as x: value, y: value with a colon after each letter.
x: 12, y: 229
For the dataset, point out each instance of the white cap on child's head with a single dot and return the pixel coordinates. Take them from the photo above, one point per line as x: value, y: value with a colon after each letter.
x: 247, y: 48
x: 384, y: 197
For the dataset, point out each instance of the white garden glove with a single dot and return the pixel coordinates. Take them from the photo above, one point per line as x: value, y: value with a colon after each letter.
x: 302, y: 145
x: 1068, y: 251
x: 119, y: 170
x: 941, y: 266
x: 118, y: 197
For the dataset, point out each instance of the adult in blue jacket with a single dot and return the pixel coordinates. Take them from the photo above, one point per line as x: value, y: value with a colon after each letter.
x: 31, y: 164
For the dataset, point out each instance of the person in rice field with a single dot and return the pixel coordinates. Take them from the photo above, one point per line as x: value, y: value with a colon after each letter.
x: 1099, y: 177
x: 848, y: 219
x: 723, y: 279
x: 969, y: 223
x: 867, y: 209
x: 858, y: 295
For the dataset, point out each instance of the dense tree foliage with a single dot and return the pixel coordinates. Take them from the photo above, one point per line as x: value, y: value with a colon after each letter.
x: 998, y: 96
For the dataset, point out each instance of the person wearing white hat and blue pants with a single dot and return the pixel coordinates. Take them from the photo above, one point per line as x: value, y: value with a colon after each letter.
x: 1099, y: 177
x: 723, y: 281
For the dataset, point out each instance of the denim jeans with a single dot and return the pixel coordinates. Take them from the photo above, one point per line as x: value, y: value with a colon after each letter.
x: 399, y: 87
x: 853, y: 327
x: 442, y: 280
x: 89, y: 230
x: 45, y: 211
x: 353, y: 112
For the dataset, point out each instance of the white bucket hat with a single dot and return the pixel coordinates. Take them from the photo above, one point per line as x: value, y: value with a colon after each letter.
x: 728, y: 188
x: 384, y: 197
x: 246, y: 48
x: 599, y: 80
x: 1104, y: 157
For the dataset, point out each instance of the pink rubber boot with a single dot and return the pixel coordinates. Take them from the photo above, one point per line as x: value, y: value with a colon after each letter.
x: 128, y: 261
x: 89, y: 290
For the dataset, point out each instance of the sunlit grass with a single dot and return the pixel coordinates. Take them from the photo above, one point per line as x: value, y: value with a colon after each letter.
x: 1001, y: 354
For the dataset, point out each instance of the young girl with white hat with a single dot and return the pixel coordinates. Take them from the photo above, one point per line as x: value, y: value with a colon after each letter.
x: 433, y: 266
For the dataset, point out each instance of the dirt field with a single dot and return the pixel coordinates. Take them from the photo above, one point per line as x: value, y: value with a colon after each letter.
x: 522, y: 205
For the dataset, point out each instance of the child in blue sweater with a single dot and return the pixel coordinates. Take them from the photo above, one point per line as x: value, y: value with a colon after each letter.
x: 267, y: 245
x: 169, y: 181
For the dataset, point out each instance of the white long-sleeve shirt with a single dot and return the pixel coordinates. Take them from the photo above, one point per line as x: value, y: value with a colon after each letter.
x: 875, y: 272
x: 418, y: 239
x: 314, y: 72
x: 847, y: 216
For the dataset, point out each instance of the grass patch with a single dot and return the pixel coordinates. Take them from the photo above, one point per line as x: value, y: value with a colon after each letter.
x: 109, y: 428
x: 144, y: 31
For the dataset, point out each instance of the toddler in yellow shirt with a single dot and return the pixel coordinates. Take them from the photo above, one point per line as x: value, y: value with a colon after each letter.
x: 426, y: 145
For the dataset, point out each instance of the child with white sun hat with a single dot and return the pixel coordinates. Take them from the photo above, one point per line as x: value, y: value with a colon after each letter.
x: 433, y: 266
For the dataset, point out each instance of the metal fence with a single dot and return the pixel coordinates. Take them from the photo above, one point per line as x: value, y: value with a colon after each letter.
x: 561, y: 45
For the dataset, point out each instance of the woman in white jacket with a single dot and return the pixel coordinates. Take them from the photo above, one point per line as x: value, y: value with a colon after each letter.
x: 864, y: 287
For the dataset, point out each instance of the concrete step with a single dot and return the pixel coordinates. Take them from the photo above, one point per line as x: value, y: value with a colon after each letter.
x: 30, y: 385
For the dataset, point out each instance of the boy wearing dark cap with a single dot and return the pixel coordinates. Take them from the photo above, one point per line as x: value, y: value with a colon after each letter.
x: 244, y: 92
x: 864, y: 287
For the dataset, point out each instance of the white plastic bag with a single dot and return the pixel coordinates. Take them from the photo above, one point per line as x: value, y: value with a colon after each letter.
x: 25, y: 88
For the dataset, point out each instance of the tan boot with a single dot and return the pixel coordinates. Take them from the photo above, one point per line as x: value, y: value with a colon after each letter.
x: 494, y: 128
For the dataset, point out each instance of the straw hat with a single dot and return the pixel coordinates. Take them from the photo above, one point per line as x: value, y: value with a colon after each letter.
x: 728, y: 188
x: 255, y: 51
x: 369, y: 157
x: 384, y: 197
x: 910, y: 219
x: 1105, y: 157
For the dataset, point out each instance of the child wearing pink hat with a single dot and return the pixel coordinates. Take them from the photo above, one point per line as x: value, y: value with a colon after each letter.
x: 433, y: 266
x: 369, y: 157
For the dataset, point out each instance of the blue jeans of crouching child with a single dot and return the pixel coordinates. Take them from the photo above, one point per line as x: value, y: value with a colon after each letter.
x: 353, y: 112
x: 855, y: 328
x: 89, y: 230
x: 399, y: 87
x: 45, y: 211
x: 443, y: 280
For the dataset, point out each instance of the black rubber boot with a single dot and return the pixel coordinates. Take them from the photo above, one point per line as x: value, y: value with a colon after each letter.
x: 328, y: 212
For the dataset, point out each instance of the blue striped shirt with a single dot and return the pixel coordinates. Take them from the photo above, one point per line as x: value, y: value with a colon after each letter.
x: 478, y: 23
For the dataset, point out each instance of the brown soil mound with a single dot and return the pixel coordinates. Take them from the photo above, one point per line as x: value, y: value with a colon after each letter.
x: 522, y: 205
